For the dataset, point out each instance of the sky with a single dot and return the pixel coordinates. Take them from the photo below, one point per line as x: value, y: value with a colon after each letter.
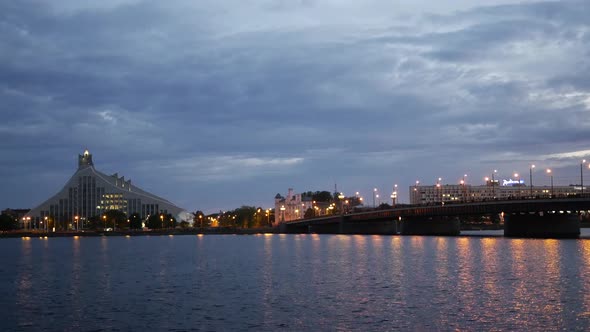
x: 223, y: 103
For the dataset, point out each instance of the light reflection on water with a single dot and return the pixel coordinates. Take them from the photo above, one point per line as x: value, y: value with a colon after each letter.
x: 294, y: 282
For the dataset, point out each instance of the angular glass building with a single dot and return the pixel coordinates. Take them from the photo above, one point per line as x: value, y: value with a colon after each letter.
x: 90, y: 193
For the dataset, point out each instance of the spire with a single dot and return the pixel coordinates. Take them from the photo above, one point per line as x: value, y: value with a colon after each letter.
x: 85, y: 160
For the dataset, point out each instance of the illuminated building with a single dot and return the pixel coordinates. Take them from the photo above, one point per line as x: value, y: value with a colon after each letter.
x: 90, y: 193
x: 291, y: 207
x: 506, y: 190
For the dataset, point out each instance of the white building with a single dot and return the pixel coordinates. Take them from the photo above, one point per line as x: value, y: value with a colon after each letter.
x: 439, y: 193
x: 292, y: 207
x: 89, y: 193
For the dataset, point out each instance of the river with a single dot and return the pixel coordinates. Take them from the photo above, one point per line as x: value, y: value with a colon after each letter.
x: 294, y: 283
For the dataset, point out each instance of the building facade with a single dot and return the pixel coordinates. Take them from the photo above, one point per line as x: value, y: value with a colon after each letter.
x: 291, y: 207
x: 89, y: 193
x: 449, y: 193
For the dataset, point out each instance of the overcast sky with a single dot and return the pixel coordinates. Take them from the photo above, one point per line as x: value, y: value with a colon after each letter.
x: 222, y: 103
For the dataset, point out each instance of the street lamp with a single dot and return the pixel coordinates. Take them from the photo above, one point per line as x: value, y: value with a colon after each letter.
x: 582, y: 175
x: 46, y: 224
x: 161, y: 219
x: 104, y: 218
x: 551, y: 175
x: 282, y: 213
x: 341, y: 200
x: 374, y: 193
x: 531, y: 179
x: 517, y: 179
x: 439, y: 186
x: 494, y: 184
x: 394, y: 195
x: 77, y: 225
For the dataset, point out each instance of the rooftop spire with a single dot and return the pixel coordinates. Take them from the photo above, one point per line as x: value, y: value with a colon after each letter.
x: 85, y: 160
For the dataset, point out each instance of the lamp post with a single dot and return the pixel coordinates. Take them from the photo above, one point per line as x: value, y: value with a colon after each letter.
x: 282, y: 213
x: 341, y: 200
x: 517, y: 179
x: 582, y: 175
x: 551, y: 175
x: 394, y: 195
x: 104, y: 218
x: 161, y: 219
x: 531, y: 179
x: 77, y: 225
x: 46, y: 224
x: 494, y: 185
x: 441, y: 194
x: 374, y: 193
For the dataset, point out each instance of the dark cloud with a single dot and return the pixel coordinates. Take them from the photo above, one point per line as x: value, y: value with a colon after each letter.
x: 219, y: 104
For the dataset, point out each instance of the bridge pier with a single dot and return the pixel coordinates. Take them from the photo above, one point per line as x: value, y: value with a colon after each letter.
x: 287, y: 228
x: 369, y: 227
x: 440, y: 225
x: 543, y: 225
x: 329, y: 228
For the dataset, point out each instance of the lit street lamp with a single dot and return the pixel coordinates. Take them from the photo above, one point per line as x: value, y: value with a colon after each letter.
x: 394, y: 195
x: 517, y: 179
x: 46, y: 224
x: 341, y: 200
x: 582, y: 175
x: 551, y: 175
x: 77, y: 225
x: 282, y: 213
x: 439, y: 186
x: 494, y: 185
x: 531, y: 179
x: 374, y: 193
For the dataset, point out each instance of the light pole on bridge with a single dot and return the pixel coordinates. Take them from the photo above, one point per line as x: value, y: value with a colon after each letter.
x: 531, y: 179
x: 551, y: 175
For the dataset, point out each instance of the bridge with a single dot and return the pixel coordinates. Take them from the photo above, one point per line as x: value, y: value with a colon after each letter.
x: 557, y: 217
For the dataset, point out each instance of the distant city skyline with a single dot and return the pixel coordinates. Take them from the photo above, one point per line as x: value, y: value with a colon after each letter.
x: 218, y: 104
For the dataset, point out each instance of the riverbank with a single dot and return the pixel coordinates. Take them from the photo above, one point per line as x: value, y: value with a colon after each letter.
x: 89, y: 233
x: 208, y: 231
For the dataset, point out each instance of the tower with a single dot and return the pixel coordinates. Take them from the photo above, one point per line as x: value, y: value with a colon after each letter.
x: 85, y: 160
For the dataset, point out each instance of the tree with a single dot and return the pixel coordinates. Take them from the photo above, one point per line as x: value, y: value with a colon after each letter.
x: 7, y: 223
x: 94, y: 222
x: 161, y: 221
x: 309, y: 213
x: 184, y: 224
x: 322, y: 196
x: 198, y: 219
x: 154, y: 221
x: 115, y: 217
x: 135, y: 221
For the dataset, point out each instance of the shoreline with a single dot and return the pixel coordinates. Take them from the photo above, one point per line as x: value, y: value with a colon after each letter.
x: 210, y: 231
x: 90, y: 233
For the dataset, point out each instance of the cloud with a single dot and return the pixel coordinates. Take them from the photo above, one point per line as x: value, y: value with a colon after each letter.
x: 301, y: 93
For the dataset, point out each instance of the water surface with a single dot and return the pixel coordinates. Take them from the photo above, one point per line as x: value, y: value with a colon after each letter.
x: 294, y: 282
